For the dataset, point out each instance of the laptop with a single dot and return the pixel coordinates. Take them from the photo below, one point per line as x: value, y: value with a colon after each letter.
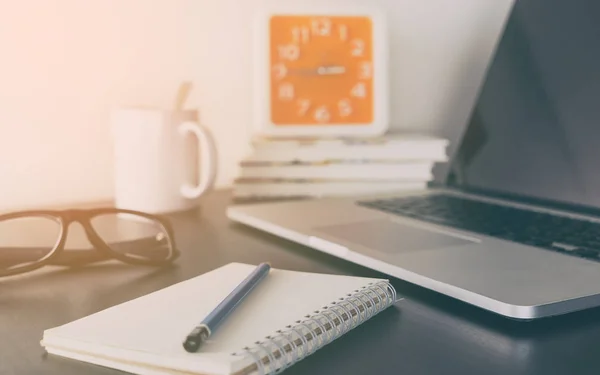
x: 513, y: 225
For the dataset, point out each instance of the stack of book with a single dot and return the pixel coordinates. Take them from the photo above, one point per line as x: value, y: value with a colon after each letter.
x: 320, y: 167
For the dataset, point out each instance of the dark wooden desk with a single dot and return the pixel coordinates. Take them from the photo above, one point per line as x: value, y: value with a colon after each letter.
x: 424, y: 334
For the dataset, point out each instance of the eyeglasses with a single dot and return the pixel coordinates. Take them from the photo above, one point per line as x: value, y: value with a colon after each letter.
x: 32, y: 239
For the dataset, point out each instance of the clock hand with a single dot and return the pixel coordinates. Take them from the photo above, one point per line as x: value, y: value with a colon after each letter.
x: 303, y: 72
x: 331, y: 70
x: 320, y: 71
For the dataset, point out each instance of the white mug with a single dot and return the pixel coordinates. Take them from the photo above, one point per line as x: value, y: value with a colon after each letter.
x: 155, y: 165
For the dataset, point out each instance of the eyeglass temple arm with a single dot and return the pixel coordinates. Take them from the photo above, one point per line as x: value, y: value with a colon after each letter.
x: 10, y: 256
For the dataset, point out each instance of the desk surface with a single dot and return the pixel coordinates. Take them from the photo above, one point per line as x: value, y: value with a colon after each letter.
x: 424, y: 334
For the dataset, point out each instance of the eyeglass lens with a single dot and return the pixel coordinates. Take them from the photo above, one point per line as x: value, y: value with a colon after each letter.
x: 27, y: 240
x: 134, y: 236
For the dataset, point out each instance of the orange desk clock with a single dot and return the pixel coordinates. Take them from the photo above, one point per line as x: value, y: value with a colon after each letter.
x: 321, y: 72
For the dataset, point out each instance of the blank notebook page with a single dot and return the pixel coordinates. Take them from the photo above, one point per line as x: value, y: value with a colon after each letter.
x: 149, y: 330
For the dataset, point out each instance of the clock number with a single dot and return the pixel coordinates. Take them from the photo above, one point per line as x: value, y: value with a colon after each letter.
x: 289, y: 52
x: 343, y: 30
x: 280, y: 71
x: 359, y: 90
x: 322, y: 114
x: 358, y: 47
x: 344, y: 107
x: 300, y: 34
x: 321, y: 26
x: 365, y: 70
x: 303, y: 106
x: 286, y: 91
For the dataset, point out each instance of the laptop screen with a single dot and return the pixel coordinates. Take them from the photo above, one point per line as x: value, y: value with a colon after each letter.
x: 535, y: 129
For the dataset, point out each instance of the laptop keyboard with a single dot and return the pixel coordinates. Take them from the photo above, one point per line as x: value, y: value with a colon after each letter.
x: 556, y: 233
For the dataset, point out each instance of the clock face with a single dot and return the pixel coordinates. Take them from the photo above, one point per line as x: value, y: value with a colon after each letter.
x: 321, y: 70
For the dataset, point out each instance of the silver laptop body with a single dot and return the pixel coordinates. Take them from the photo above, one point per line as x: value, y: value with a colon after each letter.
x: 519, y: 230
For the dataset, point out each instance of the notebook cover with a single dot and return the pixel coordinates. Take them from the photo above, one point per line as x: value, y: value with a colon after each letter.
x: 145, y: 335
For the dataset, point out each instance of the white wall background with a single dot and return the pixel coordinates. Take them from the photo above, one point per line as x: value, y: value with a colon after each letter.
x: 65, y: 63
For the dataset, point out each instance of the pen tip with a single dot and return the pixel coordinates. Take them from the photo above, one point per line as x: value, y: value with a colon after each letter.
x: 191, y: 346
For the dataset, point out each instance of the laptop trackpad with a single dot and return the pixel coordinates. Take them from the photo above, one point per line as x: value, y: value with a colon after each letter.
x: 390, y: 236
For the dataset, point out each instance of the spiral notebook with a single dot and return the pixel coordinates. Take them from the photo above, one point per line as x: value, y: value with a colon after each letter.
x: 289, y: 316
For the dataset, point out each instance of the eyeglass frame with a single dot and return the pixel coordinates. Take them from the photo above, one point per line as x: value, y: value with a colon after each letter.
x: 102, y: 251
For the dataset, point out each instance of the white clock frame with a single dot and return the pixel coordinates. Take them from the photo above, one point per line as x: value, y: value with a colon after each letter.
x: 262, y: 72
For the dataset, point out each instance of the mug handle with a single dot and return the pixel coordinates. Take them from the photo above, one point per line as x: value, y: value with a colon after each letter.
x: 208, y: 159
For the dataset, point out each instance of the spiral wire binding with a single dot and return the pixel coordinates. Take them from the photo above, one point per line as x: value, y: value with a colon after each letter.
x: 280, y: 351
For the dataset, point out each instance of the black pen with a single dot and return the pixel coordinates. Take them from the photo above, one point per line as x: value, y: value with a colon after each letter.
x: 203, y: 331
